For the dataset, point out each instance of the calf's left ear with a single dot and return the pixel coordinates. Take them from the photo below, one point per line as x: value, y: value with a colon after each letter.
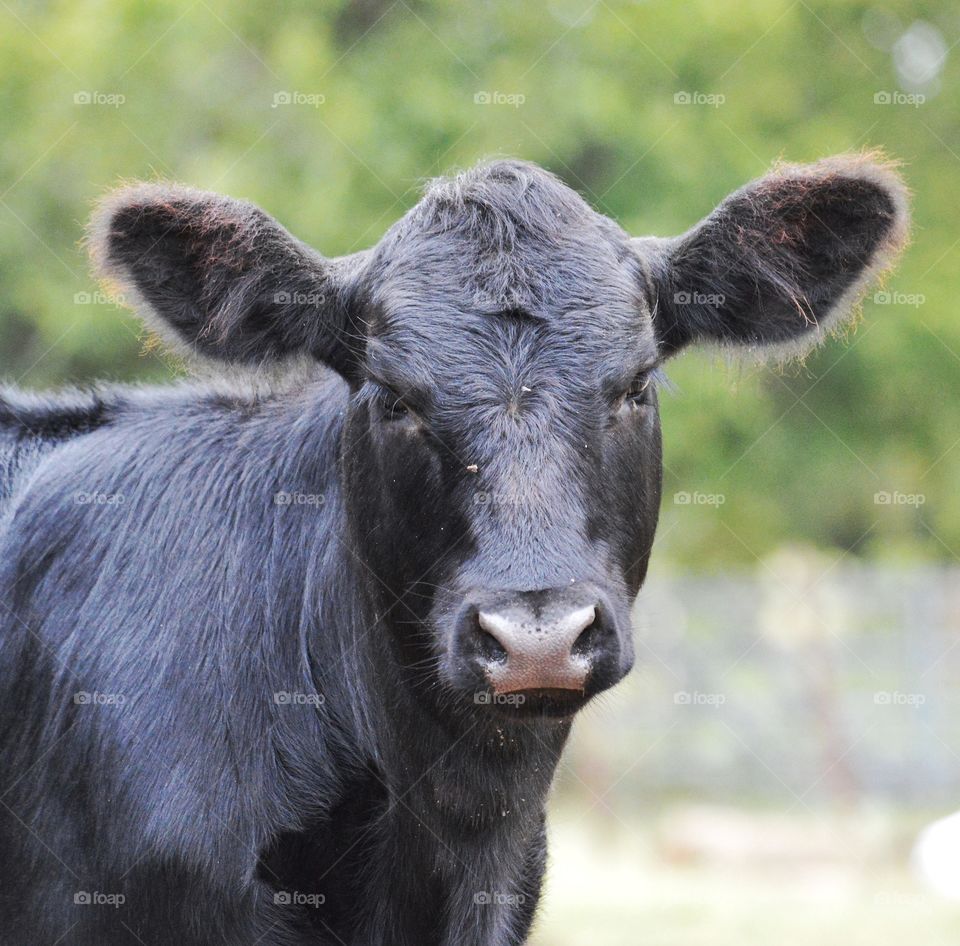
x: 781, y: 261
x: 221, y: 279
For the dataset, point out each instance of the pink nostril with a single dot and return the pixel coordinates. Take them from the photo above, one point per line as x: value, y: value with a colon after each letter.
x: 539, y: 654
x: 488, y: 644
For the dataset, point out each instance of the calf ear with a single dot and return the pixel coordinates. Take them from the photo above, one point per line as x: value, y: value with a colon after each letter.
x: 220, y: 278
x: 781, y: 261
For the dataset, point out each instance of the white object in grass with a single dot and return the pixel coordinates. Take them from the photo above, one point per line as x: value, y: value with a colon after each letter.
x: 936, y: 856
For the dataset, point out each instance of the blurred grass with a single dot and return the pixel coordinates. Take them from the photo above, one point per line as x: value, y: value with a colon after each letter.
x: 608, y: 884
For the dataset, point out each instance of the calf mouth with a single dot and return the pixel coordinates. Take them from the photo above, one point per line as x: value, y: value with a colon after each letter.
x: 540, y: 702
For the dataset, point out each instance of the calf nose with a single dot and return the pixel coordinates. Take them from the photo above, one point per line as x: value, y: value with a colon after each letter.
x: 533, y: 652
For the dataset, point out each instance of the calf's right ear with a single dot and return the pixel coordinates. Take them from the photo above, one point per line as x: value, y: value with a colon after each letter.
x: 780, y: 262
x: 221, y: 279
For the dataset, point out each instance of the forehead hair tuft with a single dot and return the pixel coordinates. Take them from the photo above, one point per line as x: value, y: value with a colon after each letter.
x: 498, y: 201
x: 513, y: 236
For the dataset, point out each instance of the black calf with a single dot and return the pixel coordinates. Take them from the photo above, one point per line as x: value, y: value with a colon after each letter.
x: 290, y: 658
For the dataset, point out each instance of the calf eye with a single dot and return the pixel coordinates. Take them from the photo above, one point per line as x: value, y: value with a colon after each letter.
x: 390, y: 404
x: 639, y: 393
x: 394, y: 408
x: 639, y: 388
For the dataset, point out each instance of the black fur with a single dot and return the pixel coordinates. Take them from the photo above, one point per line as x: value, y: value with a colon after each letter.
x: 245, y: 716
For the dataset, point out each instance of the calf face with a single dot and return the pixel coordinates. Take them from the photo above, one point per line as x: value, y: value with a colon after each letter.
x: 501, y: 457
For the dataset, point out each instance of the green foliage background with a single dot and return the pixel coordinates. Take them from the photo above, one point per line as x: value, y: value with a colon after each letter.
x: 795, y: 456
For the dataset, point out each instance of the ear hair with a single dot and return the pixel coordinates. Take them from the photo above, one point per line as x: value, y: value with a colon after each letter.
x: 220, y: 280
x: 782, y: 262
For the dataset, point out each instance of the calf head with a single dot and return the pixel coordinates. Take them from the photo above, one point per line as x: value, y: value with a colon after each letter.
x: 501, y: 455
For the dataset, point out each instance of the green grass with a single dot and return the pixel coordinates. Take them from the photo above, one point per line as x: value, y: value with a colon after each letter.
x: 609, y: 887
